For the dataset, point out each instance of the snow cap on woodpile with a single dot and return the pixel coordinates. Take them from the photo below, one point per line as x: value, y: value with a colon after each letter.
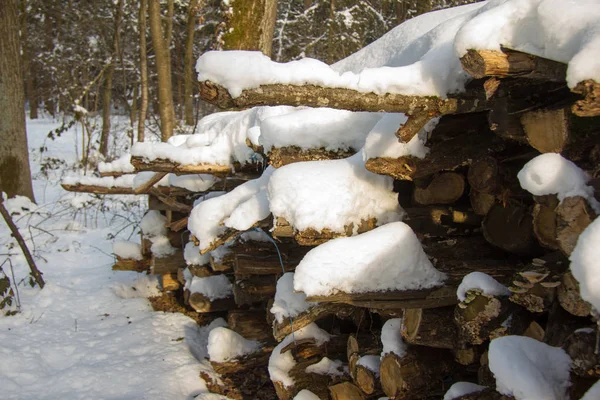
x: 227, y: 345
x: 192, y: 256
x: 426, y: 61
x: 585, y: 263
x: 460, y: 389
x: 528, y: 369
x: 213, y: 287
x: 305, y: 394
x: 128, y: 250
x: 483, y: 282
x: 332, y: 194
x: 387, y: 258
x: 328, y: 367
x: 120, y: 165
x: 391, y: 339
x: 383, y: 142
x: 551, y: 173
x: 281, y: 364
x: 288, y: 303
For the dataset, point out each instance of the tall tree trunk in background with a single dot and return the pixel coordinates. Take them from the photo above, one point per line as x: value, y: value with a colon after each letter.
x: 15, y: 174
x: 188, y: 78
x: 143, y: 72
x: 163, y: 69
x: 27, y: 73
x: 251, y: 26
x: 108, y: 78
x: 330, y: 56
x: 423, y: 6
x: 169, y: 27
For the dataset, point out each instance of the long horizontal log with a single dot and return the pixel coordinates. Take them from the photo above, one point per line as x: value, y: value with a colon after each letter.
x: 280, y: 156
x: 315, y: 313
x: 146, y: 186
x: 97, y: 189
x: 161, y: 165
x: 312, y: 237
x: 172, y: 203
x: 340, y: 98
x: 512, y: 63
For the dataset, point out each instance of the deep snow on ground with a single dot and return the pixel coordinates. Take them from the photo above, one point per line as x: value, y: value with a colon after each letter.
x: 88, y: 334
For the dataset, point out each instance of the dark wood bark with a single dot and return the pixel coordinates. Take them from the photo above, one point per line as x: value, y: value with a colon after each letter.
x: 126, y: 264
x: 432, y: 327
x: 160, y: 165
x: 280, y: 156
x: 251, y: 26
x: 251, y: 324
x: 547, y: 130
x: 569, y: 296
x: 254, y: 289
x: 445, y: 188
x: 574, y: 214
x: 510, y: 228
x: 15, y: 174
x: 203, y: 304
x: 590, y: 105
x: 544, y: 221
x: 313, y: 314
x: 169, y: 264
x: 581, y: 347
x: 345, y: 391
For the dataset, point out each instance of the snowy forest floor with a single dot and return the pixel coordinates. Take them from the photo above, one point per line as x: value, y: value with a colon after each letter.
x: 90, y: 333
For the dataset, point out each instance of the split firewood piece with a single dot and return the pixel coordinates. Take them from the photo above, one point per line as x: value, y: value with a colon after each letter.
x: 484, y: 375
x: 340, y: 98
x: 203, y: 304
x: 569, y: 296
x: 481, y: 202
x: 169, y: 282
x: 251, y: 324
x: 352, y: 355
x: 254, y: 289
x: 97, y: 189
x: 416, y: 375
x: 486, y: 394
x: 280, y: 156
x: 445, y: 188
x: 230, y: 234
x: 512, y: 63
x: 258, y: 359
x: 535, y: 331
x: 366, y: 380
x: 167, y: 166
x: 416, y: 121
x: 544, y: 221
x: 574, y: 214
x: 432, y: 327
x: 167, y: 264
x: 129, y: 264
x: 313, y: 314
x: 146, y: 186
x: 345, y: 391
x: 223, y: 263
x: 504, y: 123
x: 510, y: 228
x: 466, y: 356
x: 590, y: 105
x: 312, y: 237
x: 262, y: 258
x: 441, y: 221
x: 170, y: 202
x: 547, y: 130
x: 178, y: 225
x: 535, y: 287
x: 581, y: 347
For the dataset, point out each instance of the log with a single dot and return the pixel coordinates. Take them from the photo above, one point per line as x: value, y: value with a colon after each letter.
x: 485, y: 394
x: 345, y: 391
x: 510, y: 228
x: 97, y: 189
x: 589, y: 106
x: 432, y: 327
x: 223, y: 264
x: 167, y: 166
x: 512, y: 63
x: 561, y: 324
x: 441, y: 221
x: 313, y: 314
x: 467, y: 356
x: 203, y: 304
x: 547, y: 130
x: 581, y: 347
x: 417, y: 119
x: 251, y: 324
x: 574, y: 214
x: 169, y: 282
x: 569, y: 296
x: 544, y: 221
x: 230, y: 234
x: 254, y: 289
x: 483, y: 175
x: 280, y: 156
x: 167, y: 265
x: 340, y: 98
x: 366, y: 380
x: 261, y: 258
x: 481, y: 202
x: 445, y: 188
x: 178, y: 225
x: 416, y: 375
x: 535, y: 331
x: 146, y: 186
x: 171, y: 203
x: 312, y: 237
x: 128, y: 264
x: 258, y: 359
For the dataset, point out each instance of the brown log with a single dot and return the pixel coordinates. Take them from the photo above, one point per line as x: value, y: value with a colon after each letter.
x: 510, y: 228
x: 561, y: 324
x: 280, y: 156
x: 224, y: 264
x: 345, y: 391
x: 178, y: 225
x: 146, y: 186
x: 535, y: 331
x: 416, y: 375
x: 313, y: 314
x: 504, y: 124
x: 169, y: 282
x: 97, y: 189
x: 340, y: 98
x: 417, y: 119
x: 445, y: 188
x: 258, y: 359
x: 171, y: 203
x: 484, y: 375
x: 574, y: 214
x: 581, y: 347
x: 312, y: 237
x: 432, y: 327
x: 203, y: 304
x: 467, y: 356
x: 590, y: 105
x: 167, y: 166
x: 128, y: 264
x: 569, y: 296
x: 512, y: 63
x: 441, y: 221
x: 366, y: 380
x: 254, y: 289
x: 481, y: 202
x: 251, y: 324
x: 544, y: 221
x: 483, y: 175
x: 167, y: 265
x: 229, y: 234
x: 547, y: 130
x: 485, y: 394
x: 201, y: 271
x: 261, y: 258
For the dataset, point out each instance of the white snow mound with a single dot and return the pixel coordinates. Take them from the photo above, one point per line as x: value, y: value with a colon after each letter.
x: 288, y: 303
x: 585, y: 263
x: 483, y: 282
x: 392, y: 339
x: 460, y: 389
x: 128, y: 250
x: 227, y: 345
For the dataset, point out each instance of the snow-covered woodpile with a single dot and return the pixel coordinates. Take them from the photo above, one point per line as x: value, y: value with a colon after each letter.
x: 433, y: 234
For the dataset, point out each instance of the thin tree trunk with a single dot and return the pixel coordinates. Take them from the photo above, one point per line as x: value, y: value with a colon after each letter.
x: 330, y: 57
x: 108, y: 78
x: 15, y: 174
x: 143, y: 72
x: 188, y: 77
x: 27, y: 73
x: 163, y: 69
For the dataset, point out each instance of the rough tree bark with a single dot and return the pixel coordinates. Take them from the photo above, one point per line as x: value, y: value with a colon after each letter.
x: 108, y: 78
x: 15, y: 174
x: 188, y: 83
x: 251, y: 25
x: 143, y: 72
x: 166, y: 108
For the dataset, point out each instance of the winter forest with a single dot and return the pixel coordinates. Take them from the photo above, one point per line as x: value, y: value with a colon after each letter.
x: 300, y: 199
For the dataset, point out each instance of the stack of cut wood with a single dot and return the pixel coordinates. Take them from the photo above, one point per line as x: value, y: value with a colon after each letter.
x: 466, y: 205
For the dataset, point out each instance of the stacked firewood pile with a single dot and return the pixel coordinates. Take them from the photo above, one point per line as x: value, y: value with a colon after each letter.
x: 465, y: 204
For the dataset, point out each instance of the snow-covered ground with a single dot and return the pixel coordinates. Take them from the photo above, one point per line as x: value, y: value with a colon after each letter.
x: 90, y: 333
